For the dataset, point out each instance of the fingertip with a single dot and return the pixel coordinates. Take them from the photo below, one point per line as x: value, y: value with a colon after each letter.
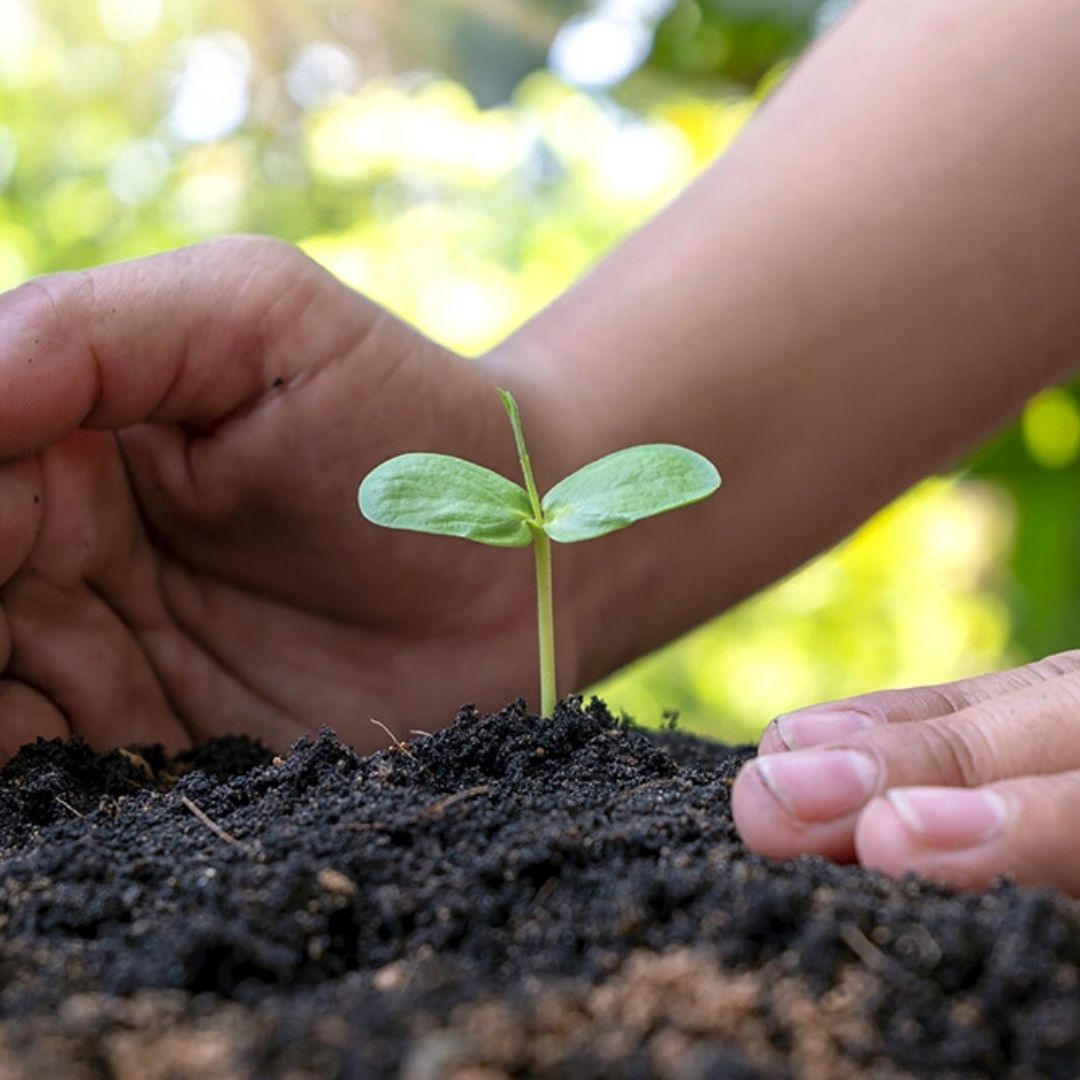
x: 885, y: 842
x: 175, y: 337
x: 26, y: 715
x: 43, y: 396
x: 757, y: 817
x: 822, y: 724
x: 772, y: 739
x: 882, y: 839
x: 954, y: 836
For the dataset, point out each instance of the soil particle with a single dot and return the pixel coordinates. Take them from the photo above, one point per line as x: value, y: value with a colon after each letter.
x: 508, y: 897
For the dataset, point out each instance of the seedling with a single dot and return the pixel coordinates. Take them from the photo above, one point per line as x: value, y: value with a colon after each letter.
x: 434, y: 493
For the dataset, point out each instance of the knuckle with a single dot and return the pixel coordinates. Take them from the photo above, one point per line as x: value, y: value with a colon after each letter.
x: 1064, y: 694
x: 53, y: 303
x: 260, y: 251
x: 1063, y: 663
x: 47, y: 313
x: 905, y: 706
x: 948, y: 698
x: 959, y: 753
x: 259, y: 269
x: 38, y: 299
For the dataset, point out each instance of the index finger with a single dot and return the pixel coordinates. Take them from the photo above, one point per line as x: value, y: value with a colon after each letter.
x: 839, y: 719
x: 173, y: 337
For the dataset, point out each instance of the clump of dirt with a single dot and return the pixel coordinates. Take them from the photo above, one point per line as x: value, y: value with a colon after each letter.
x: 511, y: 896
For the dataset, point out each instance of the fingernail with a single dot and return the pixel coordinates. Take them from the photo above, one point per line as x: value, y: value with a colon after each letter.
x: 819, y: 785
x: 950, y: 817
x: 798, y: 731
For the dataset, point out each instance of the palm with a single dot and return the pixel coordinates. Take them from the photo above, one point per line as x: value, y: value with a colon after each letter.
x: 206, y: 569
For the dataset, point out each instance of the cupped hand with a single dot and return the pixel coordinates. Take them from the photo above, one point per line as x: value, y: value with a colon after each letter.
x: 963, y: 782
x: 181, y: 440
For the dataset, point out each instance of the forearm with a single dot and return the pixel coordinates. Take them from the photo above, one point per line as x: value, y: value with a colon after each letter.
x: 873, y: 278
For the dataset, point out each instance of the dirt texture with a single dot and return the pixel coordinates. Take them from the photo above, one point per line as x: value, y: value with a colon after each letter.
x: 509, y: 897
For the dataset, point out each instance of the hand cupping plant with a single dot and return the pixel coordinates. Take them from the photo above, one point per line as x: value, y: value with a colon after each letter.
x: 434, y: 493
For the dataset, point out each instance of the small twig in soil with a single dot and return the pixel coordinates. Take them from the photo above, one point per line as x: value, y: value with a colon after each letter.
x: 68, y: 806
x: 864, y: 948
x: 877, y: 961
x: 368, y: 826
x: 545, y: 891
x: 398, y: 744
x: 138, y: 761
x: 420, y: 731
x: 213, y: 826
x: 449, y: 800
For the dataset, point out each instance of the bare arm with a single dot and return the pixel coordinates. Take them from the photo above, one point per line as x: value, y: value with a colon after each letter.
x: 874, y: 278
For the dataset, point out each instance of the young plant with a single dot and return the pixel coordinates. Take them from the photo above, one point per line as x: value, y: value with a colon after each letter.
x: 434, y: 493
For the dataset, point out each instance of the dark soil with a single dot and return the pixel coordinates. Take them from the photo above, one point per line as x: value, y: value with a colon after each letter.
x: 510, y: 897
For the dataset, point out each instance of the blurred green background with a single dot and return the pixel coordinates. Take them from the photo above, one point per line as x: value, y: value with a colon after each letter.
x: 463, y: 161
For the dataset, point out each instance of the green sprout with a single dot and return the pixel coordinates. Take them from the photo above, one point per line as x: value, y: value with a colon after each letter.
x: 446, y: 496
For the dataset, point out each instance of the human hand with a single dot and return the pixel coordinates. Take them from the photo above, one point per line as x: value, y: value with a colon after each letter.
x: 181, y: 555
x: 962, y: 782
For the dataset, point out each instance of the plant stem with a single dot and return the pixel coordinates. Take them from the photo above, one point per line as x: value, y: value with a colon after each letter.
x: 545, y: 621
x: 523, y: 455
x: 545, y: 610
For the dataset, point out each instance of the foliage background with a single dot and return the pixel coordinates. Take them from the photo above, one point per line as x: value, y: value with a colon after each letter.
x: 463, y: 161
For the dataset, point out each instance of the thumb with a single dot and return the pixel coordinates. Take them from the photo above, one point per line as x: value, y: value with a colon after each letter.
x: 176, y: 337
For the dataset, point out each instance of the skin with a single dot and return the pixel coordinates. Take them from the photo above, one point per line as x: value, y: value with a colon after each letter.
x: 962, y: 782
x: 180, y: 550
x: 873, y: 279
